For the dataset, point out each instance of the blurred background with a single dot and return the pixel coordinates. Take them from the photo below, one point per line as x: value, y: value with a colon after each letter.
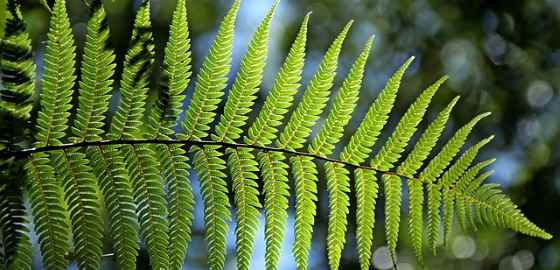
x: 501, y: 56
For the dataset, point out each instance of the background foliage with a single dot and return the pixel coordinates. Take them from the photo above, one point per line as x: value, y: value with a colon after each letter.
x: 501, y: 56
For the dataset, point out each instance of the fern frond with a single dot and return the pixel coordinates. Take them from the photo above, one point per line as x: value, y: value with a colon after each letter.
x: 180, y: 201
x: 162, y: 120
x: 434, y: 219
x: 314, y: 98
x: 392, y: 191
x: 127, y: 121
x: 243, y: 168
x: 48, y: 211
x: 96, y: 81
x: 426, y: 143
x: 211, y: 81
x: 366, y: 198
x: 305, y: 173
x: 81, y: 194
x: 15, y: 245
x: 110, y: 170
x: 241, y: 162
x: 452, y: 175
x: 274, y: 171
x: 176, y: 76
x: 17, y: 71
x: 358, y: 149
x: 324, y: 143
x: 58, y: 79
x: 338, y: 187
x: 243, y: 92
x: 209, y: 166
x: 329, y: 135
x: 451, y: 148
x: 141, y: 160
x: 264, y: 129
x: 361, y: 142
x: 392, y: 149
x: 492, y: 207
x: 143, y: 165
x: 208, y: 161
x: 295, y: 134
x: 416, y: 216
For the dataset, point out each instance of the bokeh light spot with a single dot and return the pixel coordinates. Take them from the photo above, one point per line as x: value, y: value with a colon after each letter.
x: 539, y: 93
x: 382, y: 258
x: 463, y: 247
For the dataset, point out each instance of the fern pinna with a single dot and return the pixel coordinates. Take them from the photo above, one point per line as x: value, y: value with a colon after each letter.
x: 135, y: 170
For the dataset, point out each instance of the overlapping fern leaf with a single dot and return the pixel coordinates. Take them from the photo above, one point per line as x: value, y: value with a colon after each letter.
x: 137, y: 168
x: 16, y: 91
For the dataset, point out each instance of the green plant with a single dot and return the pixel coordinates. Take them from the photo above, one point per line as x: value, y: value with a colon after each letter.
x: 136, y: 170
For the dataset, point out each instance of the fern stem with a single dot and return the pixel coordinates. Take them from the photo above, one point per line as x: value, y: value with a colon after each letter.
x: 187, y: 144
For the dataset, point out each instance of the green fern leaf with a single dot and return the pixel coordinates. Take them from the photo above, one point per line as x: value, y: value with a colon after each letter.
x: 81, y: 194
x: 294, y: 135
x: 58, y: 79
x: 142, y: 165
x: 358, y: 149
x: 392, y: 149
x: 243, y: 92
x: 305, y: 172
x: 324, y: 143
x: 434, y: 219
x: 426, y: 143
x: 141, y: 160
x: 17, y: 71
x: 243, y: 168
x: 110, y: 170
x: 97, y: 70
x: 162, y: 120
x: 211, y: 81
x: 48, y: 211
x: 494, y: 208
x: 209, y: 166
x: 314, y: 99
x: 180, y: 200
x: 392, y: 188
x: 45, y: 193
x: 415, y: 221
x: 127, y: 121
x: 241, y: 161
x: 176, y: 76
x: 338, y: 187
x: 208, y: 161
x: 366, y: 197
x: 264, y: 129
x: 451, y: 148
x: 274, y: 171
x: 361, y: 142
x: 15, y: 245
